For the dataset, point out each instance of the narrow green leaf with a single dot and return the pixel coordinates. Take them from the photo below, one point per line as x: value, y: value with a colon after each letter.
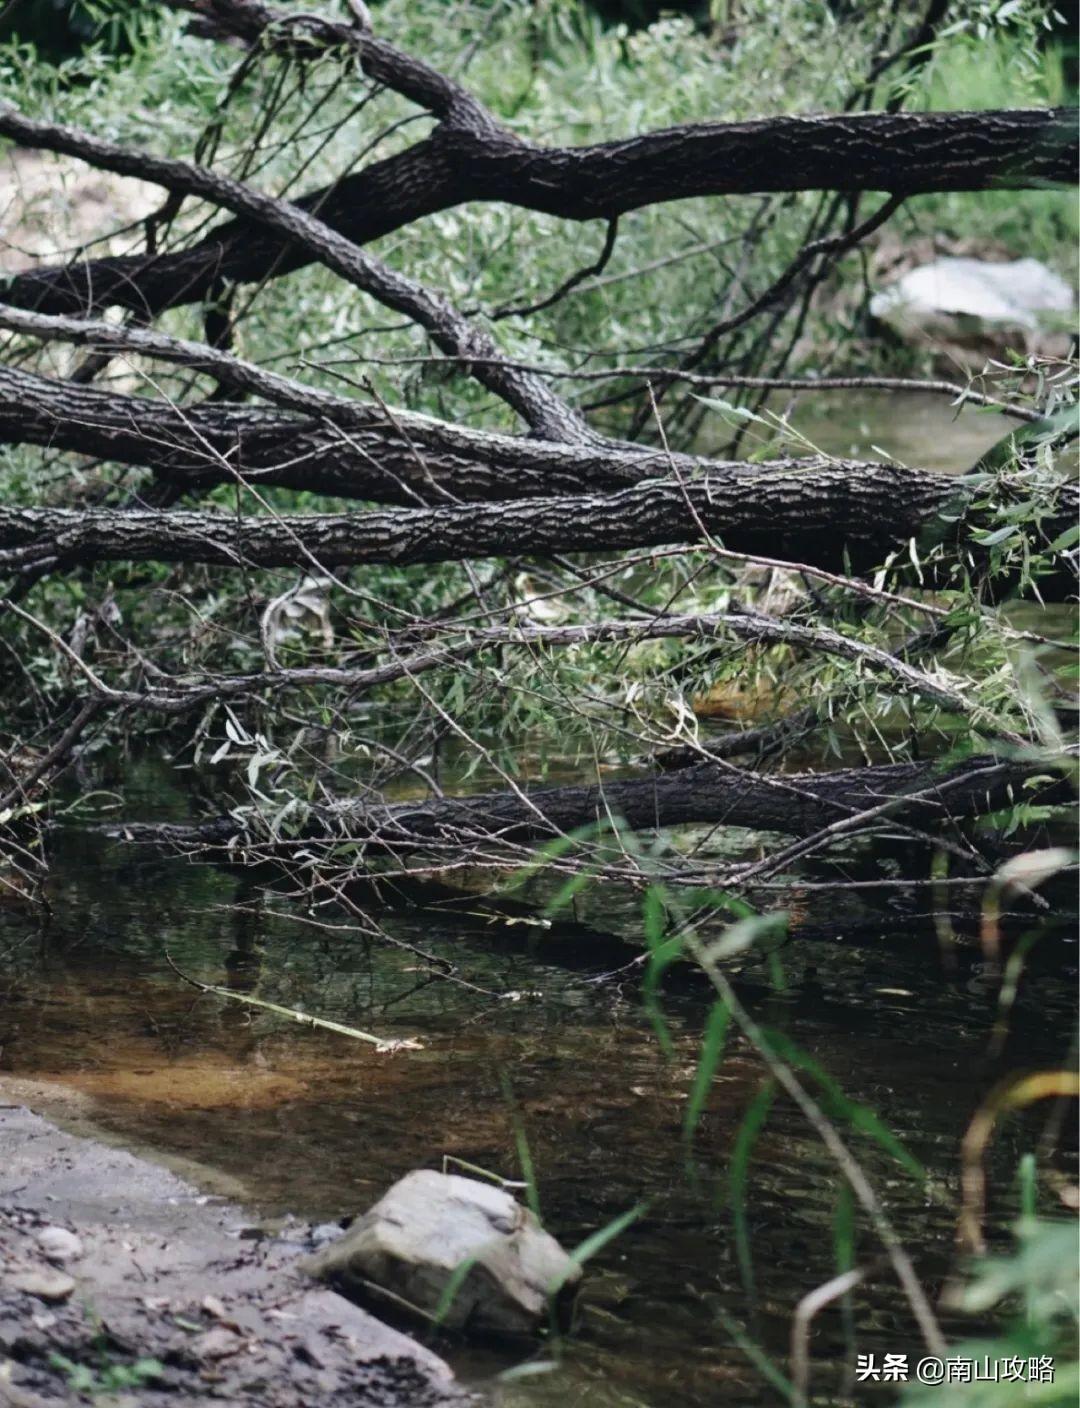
x: 840, y: 1106
x: 752, y: 1124
x: 595, y: 1242
x: 757, y: 1356
x: 712, y: 1052
x: 454, y: 1283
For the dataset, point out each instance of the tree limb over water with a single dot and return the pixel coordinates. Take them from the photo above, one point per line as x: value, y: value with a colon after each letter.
x: 799, y: 804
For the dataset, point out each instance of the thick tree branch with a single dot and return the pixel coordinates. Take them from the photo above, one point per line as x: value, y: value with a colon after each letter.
x: 800, y: 804
x: 466, y: 160
x: 326, y: 445
x: 451, y: 332
x: 830, y: 514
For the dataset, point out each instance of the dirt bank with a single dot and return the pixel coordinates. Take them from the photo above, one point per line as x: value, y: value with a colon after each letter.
x: 154, y: 1293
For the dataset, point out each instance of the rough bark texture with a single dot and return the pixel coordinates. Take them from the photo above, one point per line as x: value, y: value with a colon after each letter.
x: 799, y: 513
x: 831, y: 515
x: 530, y: 395
x: 469, y: 158
x: 798, y: 804
x: 348, y: 450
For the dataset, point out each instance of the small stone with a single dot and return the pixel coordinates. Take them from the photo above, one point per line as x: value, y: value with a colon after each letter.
x: 48, y: 1285
x: 59, y: 1244
x: 217, y: 1344
x: 325, y: 1232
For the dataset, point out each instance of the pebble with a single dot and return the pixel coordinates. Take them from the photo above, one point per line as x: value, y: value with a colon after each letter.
x: 47, y: 1285
x: 58, y: 1244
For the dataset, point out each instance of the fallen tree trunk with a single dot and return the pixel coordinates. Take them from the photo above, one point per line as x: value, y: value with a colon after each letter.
x: 469, y: 160
x: 922, y: 794
x: 834, y: 515
x: 340, y: 448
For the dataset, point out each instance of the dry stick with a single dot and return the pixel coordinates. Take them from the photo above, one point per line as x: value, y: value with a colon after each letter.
x: 569, y: 284
x: 662, y: 375
x: 805, y: 1311
x: 178, y: 696
x: 829, y: 833
x: 381, y: 1044
x: 197, y: 356
x: 828, y: 247
x: 59, y: 750
x: 849, y: 1166
x: 530, y: 396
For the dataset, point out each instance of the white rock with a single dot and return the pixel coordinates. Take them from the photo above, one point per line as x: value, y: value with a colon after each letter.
x: 58, y: 1244
x: 429, y: 1224
x: 47, y: 1284
x: 1018, y: 294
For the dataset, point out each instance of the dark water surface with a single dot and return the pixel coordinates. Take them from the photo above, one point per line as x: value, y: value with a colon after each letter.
x: 318, y: 1125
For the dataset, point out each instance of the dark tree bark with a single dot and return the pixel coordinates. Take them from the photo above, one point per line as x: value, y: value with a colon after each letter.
x: 834, y: 515
x: 529, y: 395
x: 345, y: 449
x: 802, y: 804
x: 471, y: 160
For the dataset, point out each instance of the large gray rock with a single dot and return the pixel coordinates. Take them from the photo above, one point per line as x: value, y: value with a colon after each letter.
x: 429, y: 1224
x: 954, y: 295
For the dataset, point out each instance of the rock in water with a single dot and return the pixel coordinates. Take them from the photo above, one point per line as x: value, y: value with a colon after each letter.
x: 429, y: 1224
x: 969, y: 295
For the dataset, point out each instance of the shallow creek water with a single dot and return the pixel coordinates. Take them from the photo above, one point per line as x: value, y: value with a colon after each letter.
x: 97, y: 1029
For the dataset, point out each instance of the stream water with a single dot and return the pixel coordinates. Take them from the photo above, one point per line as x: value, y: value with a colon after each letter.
x: 550, y: 1044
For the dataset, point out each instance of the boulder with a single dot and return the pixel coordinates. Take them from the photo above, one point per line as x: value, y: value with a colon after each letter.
x: 971, y: 296
x: 418, y: 1235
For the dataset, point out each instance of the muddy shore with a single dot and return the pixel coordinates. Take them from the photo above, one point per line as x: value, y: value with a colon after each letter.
x: 153, y: 1292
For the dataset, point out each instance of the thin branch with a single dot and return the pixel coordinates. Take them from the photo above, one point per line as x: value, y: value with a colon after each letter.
x: 449, y: 330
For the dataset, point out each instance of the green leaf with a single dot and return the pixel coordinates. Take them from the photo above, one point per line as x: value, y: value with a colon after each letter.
x: 596, y: 1242
x: 752, y: 1124
x: 999, y: 535
x: 450, y: 1291
x: 728, y: 408
x: 1066, y: 539
x: 712, y: 1053
x: 840, y: 1106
